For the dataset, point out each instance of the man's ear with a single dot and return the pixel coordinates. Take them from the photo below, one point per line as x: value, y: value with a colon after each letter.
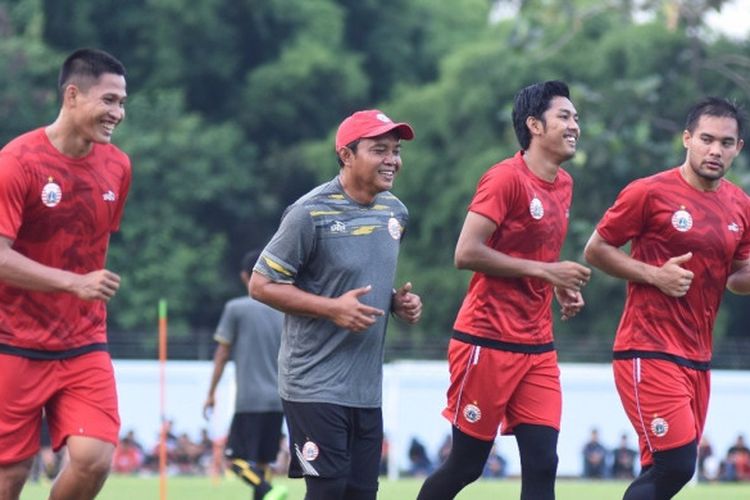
x: 70, y: 95
x: 346, y: 155
x: 535, y: 125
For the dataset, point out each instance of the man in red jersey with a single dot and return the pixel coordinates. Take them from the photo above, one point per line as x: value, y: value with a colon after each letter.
x: 690, y: 237
x: 502, y: 360
x: 62, y: 192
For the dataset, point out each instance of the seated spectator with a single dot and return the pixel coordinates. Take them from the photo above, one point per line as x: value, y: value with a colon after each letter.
x: 445, y: 449
x: 737, y: 464
x: 384, y: 450
x: 705, y: 452
x: 623, y: 460
x: 594, y: 457
x: 128, y: 456
x: 495, y: 465
x: 420, y: 465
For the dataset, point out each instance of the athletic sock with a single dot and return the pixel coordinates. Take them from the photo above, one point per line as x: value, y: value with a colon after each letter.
x: 252, y: 475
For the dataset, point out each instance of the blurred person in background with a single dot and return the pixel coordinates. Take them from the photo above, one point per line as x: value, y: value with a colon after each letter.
x: 249, y: 333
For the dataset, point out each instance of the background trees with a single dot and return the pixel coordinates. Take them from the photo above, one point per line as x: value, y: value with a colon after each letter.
x: 234, y: 105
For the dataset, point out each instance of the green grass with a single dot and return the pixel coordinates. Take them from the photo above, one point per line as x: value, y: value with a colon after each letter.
x: 201, y: 488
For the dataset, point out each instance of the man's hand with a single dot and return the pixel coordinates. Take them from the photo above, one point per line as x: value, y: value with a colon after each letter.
x: 407, y: 305
x: 571, y: 302
x: 673, y: 279
x: 353, y: 315
x: 567, y: 274
x: 96, y: 285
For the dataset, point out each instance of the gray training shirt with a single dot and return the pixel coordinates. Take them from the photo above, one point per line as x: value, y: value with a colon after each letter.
x: 328, y: 244
x: 253, y: 330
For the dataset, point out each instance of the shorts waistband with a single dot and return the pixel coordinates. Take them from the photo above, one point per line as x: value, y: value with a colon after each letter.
x: 503, y: 346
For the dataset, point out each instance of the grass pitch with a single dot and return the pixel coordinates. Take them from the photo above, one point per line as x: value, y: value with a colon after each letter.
x: 203, y: 488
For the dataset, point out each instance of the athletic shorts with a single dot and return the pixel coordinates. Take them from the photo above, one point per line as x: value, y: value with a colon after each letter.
x: 255, y: 437
x: 492, y: 388
x: 666, y: 403
x: 78, y: 395
x: 332, y: 441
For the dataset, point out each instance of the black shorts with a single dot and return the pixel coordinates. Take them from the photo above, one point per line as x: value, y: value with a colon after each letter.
x: 255, y: 437
x: 332, y: 441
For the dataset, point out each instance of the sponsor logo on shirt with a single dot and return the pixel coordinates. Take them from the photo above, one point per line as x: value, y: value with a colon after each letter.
x: 734, y: 227
x: 109, y: 196
x: 338, y: 227
x: 682, y: 220
x: 536, y: 209
x: 51, y: 193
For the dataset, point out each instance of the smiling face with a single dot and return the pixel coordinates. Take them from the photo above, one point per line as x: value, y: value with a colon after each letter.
x: 711, y: 148
x: 96, y: 109
x: 557, y: 134
x: 372, y: 168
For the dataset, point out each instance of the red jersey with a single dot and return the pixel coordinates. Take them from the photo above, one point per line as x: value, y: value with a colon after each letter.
x: 531, y: 215
x: 663, y: 216
x: 59, y: 211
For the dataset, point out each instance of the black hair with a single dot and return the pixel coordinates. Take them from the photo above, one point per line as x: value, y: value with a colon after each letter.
x: 86, y: 66
x: 534, y: 100
x: 249, y: 260
x: 715, y: 106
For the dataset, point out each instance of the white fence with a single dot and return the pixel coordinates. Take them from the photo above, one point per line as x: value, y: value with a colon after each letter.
x: 414, y: 396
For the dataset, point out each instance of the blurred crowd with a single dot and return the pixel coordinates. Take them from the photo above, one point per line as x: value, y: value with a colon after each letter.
x: 622, y: 462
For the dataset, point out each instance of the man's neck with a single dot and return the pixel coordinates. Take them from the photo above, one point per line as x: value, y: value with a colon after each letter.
x: 541, y: 166
x: 66, y: 141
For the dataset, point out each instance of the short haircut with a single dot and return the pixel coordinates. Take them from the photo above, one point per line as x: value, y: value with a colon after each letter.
x: 534, y: 100
x: 249, y: 260
x: 718, y: 107
x: 85, y: 66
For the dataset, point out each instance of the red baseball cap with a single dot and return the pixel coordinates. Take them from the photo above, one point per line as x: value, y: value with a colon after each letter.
x: 369, y: 123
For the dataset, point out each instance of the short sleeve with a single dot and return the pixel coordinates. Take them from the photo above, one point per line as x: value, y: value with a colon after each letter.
x: 226, y: 331
x: 496, y: 191
x: 289, y: 248
x: 626, y: 218
x: 13, y: 188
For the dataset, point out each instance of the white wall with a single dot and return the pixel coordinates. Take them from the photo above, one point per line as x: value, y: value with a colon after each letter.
x: 414, y: 396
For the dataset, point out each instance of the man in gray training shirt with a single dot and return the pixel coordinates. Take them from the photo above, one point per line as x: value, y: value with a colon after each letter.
x: 331, y: 268
x: 249, y: 332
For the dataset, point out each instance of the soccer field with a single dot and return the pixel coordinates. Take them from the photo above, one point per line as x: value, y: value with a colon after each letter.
x: 201, y: 488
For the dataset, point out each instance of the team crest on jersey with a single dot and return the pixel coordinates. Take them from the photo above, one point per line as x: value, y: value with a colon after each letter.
x: 472, y: 413
x: 536, y: 209
x: 338, y: 227
x: 659, y: 427
x: 682, y: 220
x: 310, y: 451
x: 394, y: 228
x: 51, y: 193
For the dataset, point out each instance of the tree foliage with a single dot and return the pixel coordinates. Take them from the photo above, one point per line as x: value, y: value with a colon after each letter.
x: 234, y: 104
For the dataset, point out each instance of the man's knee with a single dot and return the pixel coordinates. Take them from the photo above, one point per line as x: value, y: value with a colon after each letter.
x: 13, y: 477
x: 90, y: 458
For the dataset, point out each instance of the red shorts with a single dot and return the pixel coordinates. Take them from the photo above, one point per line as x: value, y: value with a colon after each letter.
x: 78, y: 395
x: 666, y: 403
x: 491, y: 388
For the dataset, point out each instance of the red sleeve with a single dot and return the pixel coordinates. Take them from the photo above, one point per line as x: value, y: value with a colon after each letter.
x: 13, y: 189
x: 496, y: 193
x: 743, y: 249
x: 122, y: 195
x: 626, y: 218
